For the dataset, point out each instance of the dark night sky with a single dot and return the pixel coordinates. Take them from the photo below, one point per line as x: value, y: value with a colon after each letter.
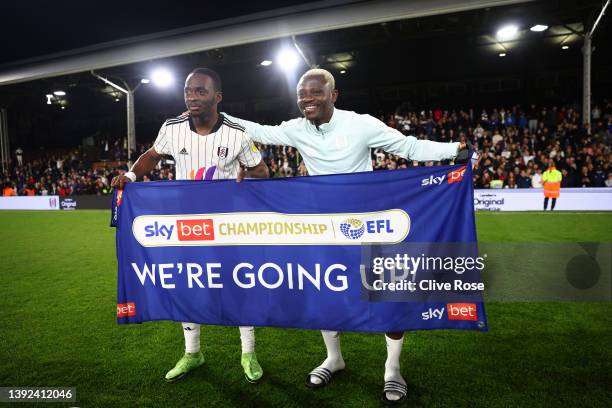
x: 31, y: 28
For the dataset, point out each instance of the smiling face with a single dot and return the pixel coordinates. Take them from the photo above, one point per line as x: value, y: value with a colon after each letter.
x: 201, y: 97
x: 316, y: 98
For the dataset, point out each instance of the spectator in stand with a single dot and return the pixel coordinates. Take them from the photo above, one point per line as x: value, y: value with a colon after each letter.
x: 19, y: 156
x: 536, y: 178
x: 585, y: 179
x: 511, y: 181
x: 29, y: 190
x: 9, y: 190
x: 598, y: 177
x: 523, y: 180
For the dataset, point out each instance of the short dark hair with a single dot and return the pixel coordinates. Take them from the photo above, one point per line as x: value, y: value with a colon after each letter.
x: 211, y: 74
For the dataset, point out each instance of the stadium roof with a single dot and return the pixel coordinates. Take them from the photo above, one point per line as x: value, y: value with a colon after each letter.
x: 216, y: 32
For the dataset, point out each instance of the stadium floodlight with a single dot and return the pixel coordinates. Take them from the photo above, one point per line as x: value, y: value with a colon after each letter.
x: 507, y: 33
x: 145, y: 80
x: 539, y: 28
x: 265, y: 63
x: 565, y: 47
x: 288, y: 59
x: 59, y: 93
x: 162, y: 78
x: 502, y: 54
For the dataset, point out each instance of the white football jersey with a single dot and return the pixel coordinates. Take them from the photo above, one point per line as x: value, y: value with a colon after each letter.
x: 217, y: 155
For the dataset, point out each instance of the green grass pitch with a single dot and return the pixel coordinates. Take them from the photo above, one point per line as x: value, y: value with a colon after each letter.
x: 57, y: 328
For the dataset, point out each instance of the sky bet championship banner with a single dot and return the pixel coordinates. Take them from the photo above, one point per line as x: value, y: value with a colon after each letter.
x: 372, y: 252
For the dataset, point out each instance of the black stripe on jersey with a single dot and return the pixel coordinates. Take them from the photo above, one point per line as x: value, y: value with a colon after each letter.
x: 234, y: 125
x: 236, y: 140
x: 165, y: 143
x: 214, y: 128
x: 191, y: 151
x: 163, y: 139
x: 184, y: 155
x: 176, y: 121
x: 181, y: 116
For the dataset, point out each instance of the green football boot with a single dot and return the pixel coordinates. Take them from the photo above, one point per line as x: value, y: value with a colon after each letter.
x: 252, y: 369
x: 187, y: 363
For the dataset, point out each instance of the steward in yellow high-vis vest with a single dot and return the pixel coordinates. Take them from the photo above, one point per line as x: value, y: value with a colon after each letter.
x: 551, y: 179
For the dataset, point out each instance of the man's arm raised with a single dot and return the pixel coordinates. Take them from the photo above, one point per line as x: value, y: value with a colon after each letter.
x: 144, y: 165
x: 270, y: 135
x: 393, y: 141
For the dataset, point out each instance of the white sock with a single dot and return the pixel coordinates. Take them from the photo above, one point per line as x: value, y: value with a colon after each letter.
x: 334, y: 361
x: 247, y: 339
x: 191, y: 331
x: 392, y: 365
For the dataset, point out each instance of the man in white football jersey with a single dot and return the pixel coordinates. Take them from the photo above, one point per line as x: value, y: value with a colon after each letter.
x: 334, y: 141
x: 205, y: 145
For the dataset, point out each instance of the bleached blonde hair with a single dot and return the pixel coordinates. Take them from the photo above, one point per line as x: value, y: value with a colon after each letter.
x: 329, y: 78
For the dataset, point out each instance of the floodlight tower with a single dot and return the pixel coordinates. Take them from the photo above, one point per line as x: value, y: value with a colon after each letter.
x: 161, y: 77
x: 586, y: 68
x: 131, y: 122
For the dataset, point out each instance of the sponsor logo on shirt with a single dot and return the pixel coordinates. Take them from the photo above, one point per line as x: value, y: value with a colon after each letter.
x: 202, y: 173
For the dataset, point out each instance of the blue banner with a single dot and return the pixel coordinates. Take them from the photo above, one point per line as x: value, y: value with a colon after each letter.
x: 372, y: 252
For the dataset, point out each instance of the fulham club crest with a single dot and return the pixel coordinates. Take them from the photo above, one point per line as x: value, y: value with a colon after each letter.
x: 222, y: 152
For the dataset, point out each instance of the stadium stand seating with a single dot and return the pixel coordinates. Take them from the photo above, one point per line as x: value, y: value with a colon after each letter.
x: 515, y: 144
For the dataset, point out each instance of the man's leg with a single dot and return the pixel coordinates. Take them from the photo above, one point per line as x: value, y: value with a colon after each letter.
x: 193, y: 357
x: 321, y: 375
x: 552, y: 204
x: 545, y: 203
x: 395, y: 386
x: 248, y: 360
x: 191, y: 331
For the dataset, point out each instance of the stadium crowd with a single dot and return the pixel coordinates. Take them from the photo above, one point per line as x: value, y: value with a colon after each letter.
x: 515, y: 145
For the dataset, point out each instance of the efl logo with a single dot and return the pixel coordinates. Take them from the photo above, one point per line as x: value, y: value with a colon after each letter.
x: 461, y: 311
x: 456, y: 176
x: 126, y: 309
x: 353, y: 228
x: 195, y: 230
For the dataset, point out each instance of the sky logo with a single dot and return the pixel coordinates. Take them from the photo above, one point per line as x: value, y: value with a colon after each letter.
x: 452, y: 177
x: 158, y: 230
